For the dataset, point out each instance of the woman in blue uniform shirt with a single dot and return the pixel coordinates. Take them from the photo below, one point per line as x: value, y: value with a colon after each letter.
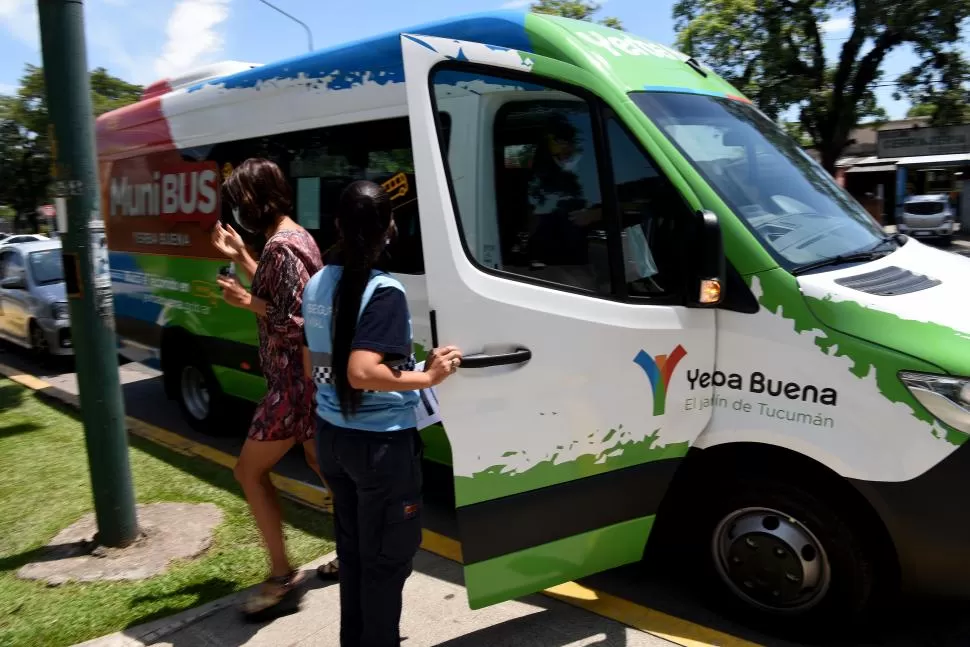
x: 359, y: 354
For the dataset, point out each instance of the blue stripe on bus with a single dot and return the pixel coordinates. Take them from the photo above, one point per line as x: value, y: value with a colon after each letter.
x: 378, y: 59
x: 682, y: 90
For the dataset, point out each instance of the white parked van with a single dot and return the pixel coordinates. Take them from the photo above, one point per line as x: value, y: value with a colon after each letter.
x: 928, y: 216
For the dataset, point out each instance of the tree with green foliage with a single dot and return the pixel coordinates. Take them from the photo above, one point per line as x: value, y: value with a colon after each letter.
x: 921, y: 110
x: 25, y: 159
x: 576, y: 9
x: 940, y: 89
x: 775, y: 52
x: 6, y: 218
x: 796, y: 132
x: 24, y: 165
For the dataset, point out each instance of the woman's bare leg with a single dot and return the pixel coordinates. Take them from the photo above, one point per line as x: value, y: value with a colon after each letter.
x: 252, y: 471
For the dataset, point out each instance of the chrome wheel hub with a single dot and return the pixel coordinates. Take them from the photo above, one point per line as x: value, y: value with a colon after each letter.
x: 195, y: 393
x: 771, y: 560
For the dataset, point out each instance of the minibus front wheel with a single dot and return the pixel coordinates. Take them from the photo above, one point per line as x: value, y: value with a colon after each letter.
x: 192, y: 383
x: 786, y: 555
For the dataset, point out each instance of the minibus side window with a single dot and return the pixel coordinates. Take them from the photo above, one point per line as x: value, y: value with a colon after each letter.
x: 652, y: 217
x: 546, y: 219
x: 320, y: 163
x: 531, y: 208
x: 547, y: 193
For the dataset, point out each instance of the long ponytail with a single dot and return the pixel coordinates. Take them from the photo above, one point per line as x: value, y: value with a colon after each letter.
x: 364, y: 218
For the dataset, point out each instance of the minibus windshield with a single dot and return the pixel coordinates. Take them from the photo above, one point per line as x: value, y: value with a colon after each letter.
x: 787, y: 199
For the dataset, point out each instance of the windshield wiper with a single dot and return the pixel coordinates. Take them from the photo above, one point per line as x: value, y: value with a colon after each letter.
x: 876, y: 251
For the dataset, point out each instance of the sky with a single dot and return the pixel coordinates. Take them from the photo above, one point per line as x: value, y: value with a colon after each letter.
x: 142, y: 41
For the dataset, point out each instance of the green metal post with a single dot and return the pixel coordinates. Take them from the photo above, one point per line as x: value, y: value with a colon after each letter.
x: 85, y: 268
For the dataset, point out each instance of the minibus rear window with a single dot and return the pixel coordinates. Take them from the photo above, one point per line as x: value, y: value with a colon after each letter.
x: 790, y: 203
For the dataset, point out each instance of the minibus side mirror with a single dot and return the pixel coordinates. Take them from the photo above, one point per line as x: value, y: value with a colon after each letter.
x: 708, y: 277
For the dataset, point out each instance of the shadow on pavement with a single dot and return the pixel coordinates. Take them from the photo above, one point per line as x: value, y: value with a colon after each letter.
x: 543, y: 628
x: 12, y: 563
x: 30, y: 363
x: 212, y: 588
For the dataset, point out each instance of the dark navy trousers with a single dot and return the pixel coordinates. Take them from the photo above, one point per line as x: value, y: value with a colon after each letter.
x: 376, y: 481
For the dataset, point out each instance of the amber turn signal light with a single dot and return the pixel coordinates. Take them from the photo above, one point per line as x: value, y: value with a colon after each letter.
x: 710, y: 291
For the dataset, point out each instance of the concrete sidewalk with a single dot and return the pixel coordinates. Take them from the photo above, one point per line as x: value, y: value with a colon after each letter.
x: 435, y: 613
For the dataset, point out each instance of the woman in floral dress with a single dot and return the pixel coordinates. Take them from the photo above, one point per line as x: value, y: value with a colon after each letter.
x: 261, y: 200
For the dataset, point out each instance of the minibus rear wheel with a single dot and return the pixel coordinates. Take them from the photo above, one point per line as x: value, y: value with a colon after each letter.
x: 199, y: 395
x: 786, y: 557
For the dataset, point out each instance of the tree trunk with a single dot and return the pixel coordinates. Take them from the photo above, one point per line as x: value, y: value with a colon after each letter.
x: 830, y: 155
x: 831, y: 144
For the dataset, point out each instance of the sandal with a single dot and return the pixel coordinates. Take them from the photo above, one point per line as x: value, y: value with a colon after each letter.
x: 329, y: 572
x: 271, y: 593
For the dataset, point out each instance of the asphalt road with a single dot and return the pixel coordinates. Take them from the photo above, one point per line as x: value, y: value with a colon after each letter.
x: 661, y: 586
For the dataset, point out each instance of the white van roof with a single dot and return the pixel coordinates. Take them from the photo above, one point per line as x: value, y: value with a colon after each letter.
x: 197, y: 75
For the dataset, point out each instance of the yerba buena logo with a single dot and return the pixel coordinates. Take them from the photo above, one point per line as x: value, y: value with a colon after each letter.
x: 619, y: 44
x: 760, y: 384
x: 659, y: 369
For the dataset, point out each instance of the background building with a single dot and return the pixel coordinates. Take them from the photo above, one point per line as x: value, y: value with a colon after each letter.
x: 907, y: 157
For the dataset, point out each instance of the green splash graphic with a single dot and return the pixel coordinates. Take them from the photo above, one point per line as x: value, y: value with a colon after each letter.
x: 778, y: 287
x: 493, y: 483
x: 936, y: 344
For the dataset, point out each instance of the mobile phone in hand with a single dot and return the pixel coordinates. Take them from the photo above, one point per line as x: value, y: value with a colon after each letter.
x: 228, y: 271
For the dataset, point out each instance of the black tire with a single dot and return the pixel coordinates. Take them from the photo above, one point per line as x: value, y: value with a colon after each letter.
x: 38, y: 342
x: 760, y: 576
x: 201, y: 400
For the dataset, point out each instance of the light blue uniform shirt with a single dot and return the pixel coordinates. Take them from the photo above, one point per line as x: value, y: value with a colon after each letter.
x: 384, y: 326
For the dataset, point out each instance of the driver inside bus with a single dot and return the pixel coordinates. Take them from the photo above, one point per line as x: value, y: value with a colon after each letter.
x: 566, y: 207
x: 562, y: 194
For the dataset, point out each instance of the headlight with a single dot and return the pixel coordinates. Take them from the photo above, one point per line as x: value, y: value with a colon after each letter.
x: 60, y: 311
x: 946, y: 397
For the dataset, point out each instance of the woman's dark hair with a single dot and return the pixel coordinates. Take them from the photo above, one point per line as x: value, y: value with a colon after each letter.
x: 363, y: 220
x: 259, y: 190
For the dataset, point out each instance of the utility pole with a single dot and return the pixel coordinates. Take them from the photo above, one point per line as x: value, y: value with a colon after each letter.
x: 86, y: 273
x: 306, y: 28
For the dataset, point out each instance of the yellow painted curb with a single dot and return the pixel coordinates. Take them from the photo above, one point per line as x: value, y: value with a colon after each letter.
x: 441, y: 545
x: 23, y: 379
x: 676, y: 630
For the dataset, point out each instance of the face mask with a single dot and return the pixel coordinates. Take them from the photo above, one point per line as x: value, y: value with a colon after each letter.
x: 239, y: 222
x: 569, y: 164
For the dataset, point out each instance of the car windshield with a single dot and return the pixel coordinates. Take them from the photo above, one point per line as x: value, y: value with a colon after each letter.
x: 923, y: 208
x: 786, y: 198
x: 46, y: 266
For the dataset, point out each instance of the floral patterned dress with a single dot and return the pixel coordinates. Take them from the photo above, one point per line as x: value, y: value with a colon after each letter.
x: 288, y: 261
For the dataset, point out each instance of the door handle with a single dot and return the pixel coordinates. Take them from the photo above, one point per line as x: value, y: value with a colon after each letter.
x: 481, y: 360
